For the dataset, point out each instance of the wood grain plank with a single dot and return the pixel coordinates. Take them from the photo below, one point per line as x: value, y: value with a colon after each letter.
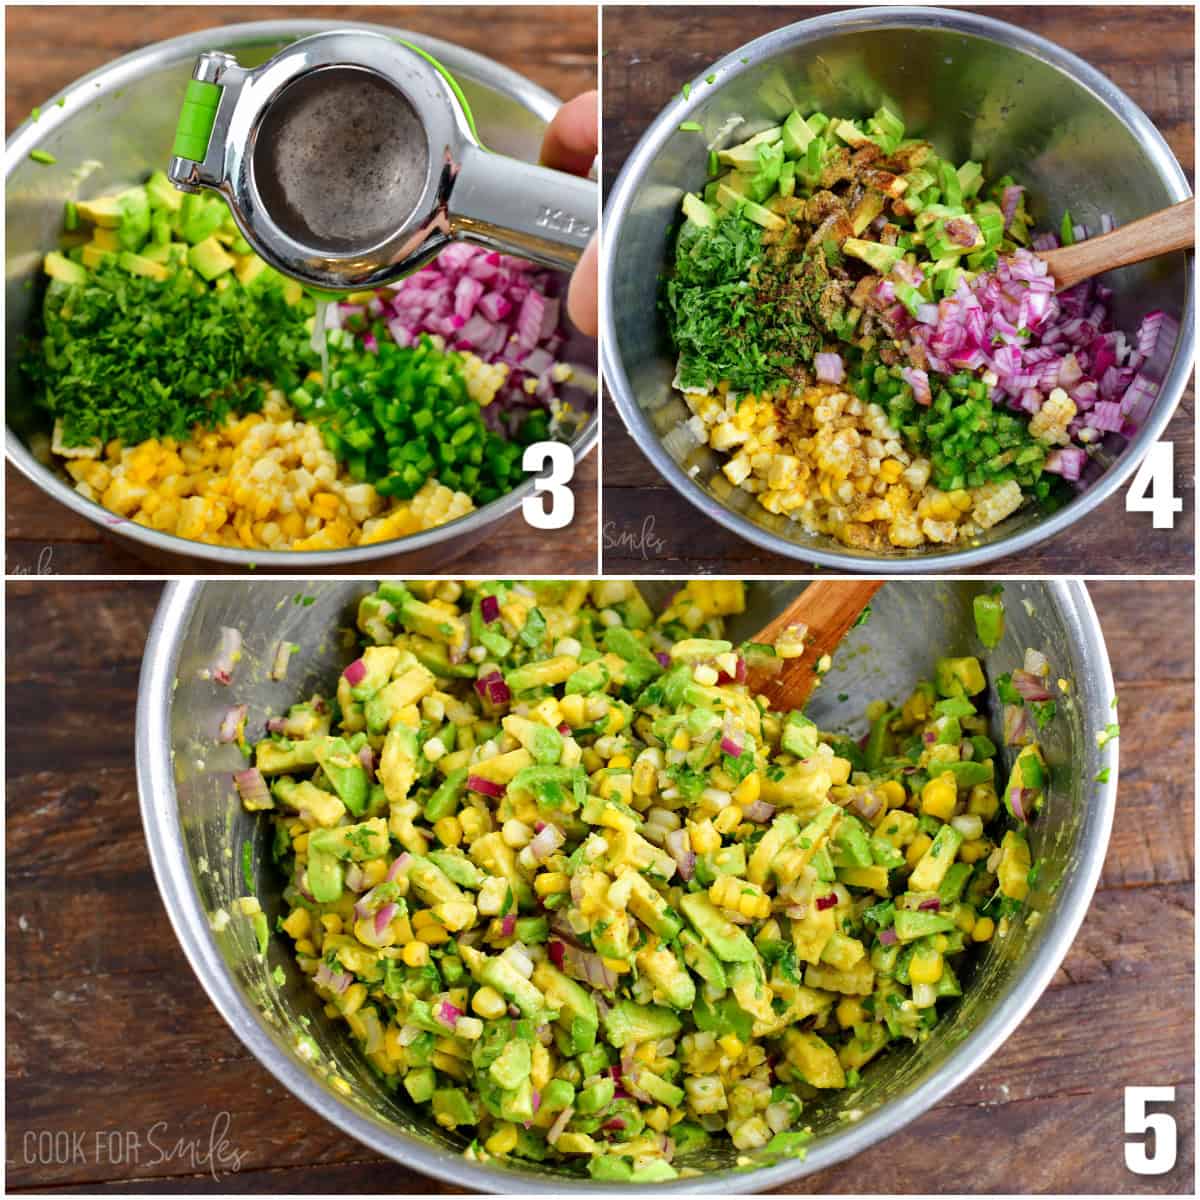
x: 646, y: 526
x: 48, y: 47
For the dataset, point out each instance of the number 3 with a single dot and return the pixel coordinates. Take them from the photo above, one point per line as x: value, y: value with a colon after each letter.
x: 553, y: 486
x: 1153, y: 487
x: 1162, y: 1125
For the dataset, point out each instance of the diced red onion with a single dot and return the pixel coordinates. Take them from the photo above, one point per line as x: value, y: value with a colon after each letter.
x: 230, y: 722
x: 560, y: 1124
x: 485, y: 787
x: 448, y: 1014
x: 680, y: 848
x: 356, y: 672
x: 383, y: 918
x: 1030, y: 686
x: 824, y: 902
x: 252, y: 787
x: 399, y: 866
x: 508, y: 925
x: 366, y: 756
x: 731, y: 747
x: 283, y: 656
x: 758, y: 811
x: 1016, y: 725
x: 830, y: 368
x: 546, y: 841
x: 228, y: 653
x: 930, y: 905
x: 489, y: 609
x: 557, y: 952
x: 888, y: 937
x: 1017, y: 798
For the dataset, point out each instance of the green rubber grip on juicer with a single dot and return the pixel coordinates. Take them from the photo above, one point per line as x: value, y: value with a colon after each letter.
x: 196, y: 120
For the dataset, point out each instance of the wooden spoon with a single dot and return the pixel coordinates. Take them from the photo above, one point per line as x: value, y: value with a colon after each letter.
x: 1169, y: 229
x: 828, y: 609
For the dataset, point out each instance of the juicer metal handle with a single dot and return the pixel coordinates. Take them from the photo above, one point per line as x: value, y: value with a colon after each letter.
x: 518, y: 208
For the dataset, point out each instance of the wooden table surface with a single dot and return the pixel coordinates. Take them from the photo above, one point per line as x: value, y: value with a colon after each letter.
x: 48, y: 46
x: 647, y: 527
x: 108, y: 1031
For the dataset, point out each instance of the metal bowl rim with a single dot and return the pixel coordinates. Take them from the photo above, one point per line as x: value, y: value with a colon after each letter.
x: 747, y: 58
x: 116, y: 74
x: 160, y: 820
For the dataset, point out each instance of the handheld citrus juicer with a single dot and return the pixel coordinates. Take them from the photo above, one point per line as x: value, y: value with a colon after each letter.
x: 350, y: 160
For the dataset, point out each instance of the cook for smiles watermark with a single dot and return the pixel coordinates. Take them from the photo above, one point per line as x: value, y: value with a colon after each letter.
x: 211, y: 1151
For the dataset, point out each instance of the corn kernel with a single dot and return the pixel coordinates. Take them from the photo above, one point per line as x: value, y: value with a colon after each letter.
x: 728, y: 819
x: 620, y: 760
x: 925, y: 968
x: 984, y: 929
x: 415, y: 954
x: 917, y: 848
x: 972, y: 852
x: 432, y: 935
x: 448, y: 831
x: 681, y: 740
x: 548, y: 883
x: 489, y: 1004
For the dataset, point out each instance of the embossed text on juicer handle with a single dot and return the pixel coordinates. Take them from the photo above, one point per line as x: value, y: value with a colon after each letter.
x: 518, y: 208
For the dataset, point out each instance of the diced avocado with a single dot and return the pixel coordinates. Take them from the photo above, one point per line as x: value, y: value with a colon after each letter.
x: 278, y: 758
x: 928, y: 873
x: 324, y: 806
x: 852, y: 843
x: 446, y: 799
x: 156, y: 252
x: 878, y: 257
x: 324, y: 874
x: 659, y: 1089
x: 652, y: 909
x: 106, y: 239
x: 668, y: 976
x: 783, y: 830
x: 398, y: 762
x: 727, y: 941
x: 457, y: 867
x: 911, y: 923
x: 378, y: 663
x: 1012, y: 872
x: 762, y: 216
x: 134, y: 226
x: 796, y: 135
x: 866, y: 210
x: 959, y: 675
x: 432, y: 884
x: 513, y: 1064
x: 967, y: 774
x: 702, y: 960
x: 418, y: 617
x: 103, y: 210
x: 731, y: 191
x: 577, y: 1012
x: 697, y: 211
x: 249, y: 268
x: 451, y: 1108
x: 361, y: 842
x: 814, y: 1058
x: 95, y: 256
x: 1028, y: 775
x: 59, y: 267
x: 433, y: 656
x: 626, y: 1022
x: 420, y: 1084
x: 345, y: 772
x: 162, y: 193
x: 135, y: 264
x: 209, y: 259
x: 200, y: 217
x: 799, y: 735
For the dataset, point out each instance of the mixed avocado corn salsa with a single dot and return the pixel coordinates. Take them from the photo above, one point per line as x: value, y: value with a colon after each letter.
x: 583, y: 896
x: 866, y: 337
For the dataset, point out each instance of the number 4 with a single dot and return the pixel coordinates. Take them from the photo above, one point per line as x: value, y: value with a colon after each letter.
x: 1153, y: 487
x: 1162, y: 1125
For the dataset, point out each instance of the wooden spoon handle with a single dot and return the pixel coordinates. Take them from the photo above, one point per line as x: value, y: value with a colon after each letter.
x: 828, y: 608
x: 1170, y: 229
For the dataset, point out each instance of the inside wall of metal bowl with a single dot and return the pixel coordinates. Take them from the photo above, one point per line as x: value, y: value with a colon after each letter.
x: 118, y: 135
x: 974, y: 99
x: 911, y: 625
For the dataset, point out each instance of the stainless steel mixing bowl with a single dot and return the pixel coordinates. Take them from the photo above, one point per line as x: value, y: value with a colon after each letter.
x: 979, y: 89
x: 195, y: 828
x: 116, y: 125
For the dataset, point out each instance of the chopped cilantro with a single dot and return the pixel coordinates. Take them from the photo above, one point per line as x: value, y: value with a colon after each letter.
x: 1043, y: 712
x: 1102, y: 776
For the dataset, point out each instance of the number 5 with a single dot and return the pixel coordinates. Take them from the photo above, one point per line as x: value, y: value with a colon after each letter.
x: 561, y: 509
x: 1162, y: 1125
